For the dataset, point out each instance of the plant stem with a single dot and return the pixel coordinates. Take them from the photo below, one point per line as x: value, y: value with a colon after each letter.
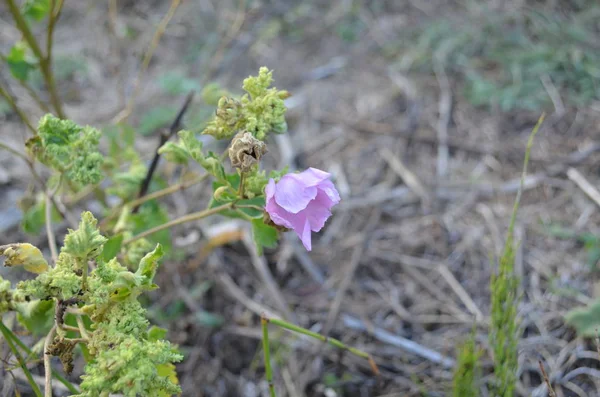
x: 13, y: 104
x: 241, y: 187
x: 164, y: 137
x: 151, y: 196
x: 9, y: 341
x: 49, y: 231
x: 47, y: 363
x: 186, y: 218
x: 332, y: 341
x: 265, y: 340
x: 81, y: 326
x: 44, y: 61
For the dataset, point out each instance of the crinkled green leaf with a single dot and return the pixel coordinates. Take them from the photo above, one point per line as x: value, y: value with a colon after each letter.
x: 86, y: 242
x: 149, y: 264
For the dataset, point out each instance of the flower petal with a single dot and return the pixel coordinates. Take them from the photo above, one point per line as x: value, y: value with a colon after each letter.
x: 306, y: 237
x: 311, y: 176
x: 329, y: 188
x: 292, y: 195
x: 318, y: 211
x: 270, y: 190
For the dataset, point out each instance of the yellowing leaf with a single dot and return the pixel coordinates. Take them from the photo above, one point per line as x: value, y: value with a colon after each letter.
x: 26, y: 255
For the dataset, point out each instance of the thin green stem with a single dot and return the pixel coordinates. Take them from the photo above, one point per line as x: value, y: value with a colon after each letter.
x: 186, y: 218
x: 13, y: 104
x: 82, y: 330
x: 241, y: 187
x: 332, y: 341
x: 26, y: 349
x: 267, y: 351
x: 7, y: 336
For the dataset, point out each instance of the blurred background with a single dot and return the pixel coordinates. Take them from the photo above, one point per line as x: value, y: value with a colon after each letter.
x: 421, y: 110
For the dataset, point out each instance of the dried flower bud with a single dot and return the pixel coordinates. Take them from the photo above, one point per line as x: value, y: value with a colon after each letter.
x: 246, y: 150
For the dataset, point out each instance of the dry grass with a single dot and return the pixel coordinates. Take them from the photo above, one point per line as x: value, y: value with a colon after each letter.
x: 428, y: 180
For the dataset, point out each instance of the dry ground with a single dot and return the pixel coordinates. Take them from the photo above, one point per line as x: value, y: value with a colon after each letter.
x: 406, y: 255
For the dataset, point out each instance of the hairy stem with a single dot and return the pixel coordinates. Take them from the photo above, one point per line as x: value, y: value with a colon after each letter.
x: 186, y: 218
x: 49, y: 231
x: 265, y: 341
x: 81, y: 326
x: 47, y: 363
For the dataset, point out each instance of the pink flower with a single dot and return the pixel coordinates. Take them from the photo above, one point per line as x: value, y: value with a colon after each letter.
x: 302, y: 202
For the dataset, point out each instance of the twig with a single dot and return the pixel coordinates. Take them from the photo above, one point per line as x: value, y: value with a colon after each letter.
x: 584, y: 185
x: 47, y: 363
x: 13, y: 104
x: 408, y: 177
x: 186, y: 218
x: 551, y: 392
x: 460, y: 291
x: 164, y: 137
x: 553, y: 93
x: 402, y: 343
x: 160, y: 30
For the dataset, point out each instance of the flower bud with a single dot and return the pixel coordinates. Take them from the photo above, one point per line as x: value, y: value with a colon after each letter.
x: 245, y: 151
x: 219, y: 192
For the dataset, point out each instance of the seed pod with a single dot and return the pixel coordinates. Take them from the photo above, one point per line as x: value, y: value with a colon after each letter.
x: 246, y: 150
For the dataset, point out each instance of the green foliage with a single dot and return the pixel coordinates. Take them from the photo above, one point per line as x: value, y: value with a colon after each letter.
x: 468, y: 370
x: 260, y: 111
x: 504, y: 284
x: 264, y: 235
x: 126, y: 357
x: 20, y: 61
x: 503, y: 56
x: 69, y: 149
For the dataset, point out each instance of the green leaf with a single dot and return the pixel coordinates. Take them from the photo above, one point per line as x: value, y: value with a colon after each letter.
x: 19, y: 63
x: 155, y: 118
x: 36, y: 9
x: 263, y: 235
x: 36, y: 316
x: 112, y: 247
x: 585, y: 320
x: 156, y: 333
x: 174, y: 153
x: 152, y: 214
